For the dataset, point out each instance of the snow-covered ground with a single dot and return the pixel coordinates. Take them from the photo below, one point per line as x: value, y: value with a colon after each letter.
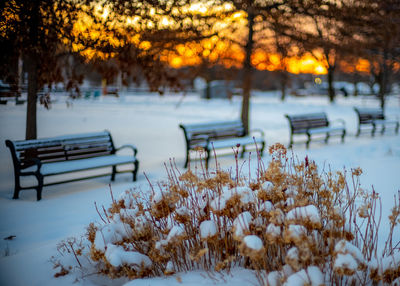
x: 151, y: 123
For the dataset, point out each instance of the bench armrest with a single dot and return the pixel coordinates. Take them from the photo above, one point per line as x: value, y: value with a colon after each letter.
x: 32, y: 162
x: 257, y: 130
x: 130, y: 146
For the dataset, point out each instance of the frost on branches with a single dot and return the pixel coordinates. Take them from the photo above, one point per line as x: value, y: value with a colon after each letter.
x: 292, y: 225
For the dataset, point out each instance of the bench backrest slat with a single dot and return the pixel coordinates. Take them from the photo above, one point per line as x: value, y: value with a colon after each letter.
x: 62, y: 148
x: 366, y: 115
x: 197, y: 134
x: 302, y: 122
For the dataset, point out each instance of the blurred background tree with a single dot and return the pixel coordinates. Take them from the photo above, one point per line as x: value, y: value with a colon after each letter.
x: 34, y: 32
x: 375, y: 26
x: 60, y: 41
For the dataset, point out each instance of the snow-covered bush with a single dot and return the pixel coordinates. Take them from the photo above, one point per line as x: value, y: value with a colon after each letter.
x: 291, y: 224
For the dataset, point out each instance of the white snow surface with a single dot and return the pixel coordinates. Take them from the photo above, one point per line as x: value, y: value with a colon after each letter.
x: 150, y: 122
x: 345, y: 261
x: 273, y: 230
x: 245, y: 196
x: 253, y: 242
x: 293, y: 253
x: 176, y: 232
x: 316, y: 276
x: 242, y: 223
x: 313, y: 276
x: 266, y: 206
x: 345, y: 247
x: 90, y: 163
x: 208, y: 228
x: 307, y: 213
x: 274, y: 278
x: 183, y: 211
x: 110, y: 233
x: 390, y: 262
x: 117, y: 257
x: 296, y: 231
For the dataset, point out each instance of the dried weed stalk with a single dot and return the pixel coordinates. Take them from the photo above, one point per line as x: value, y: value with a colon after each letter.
x: 291, y: 223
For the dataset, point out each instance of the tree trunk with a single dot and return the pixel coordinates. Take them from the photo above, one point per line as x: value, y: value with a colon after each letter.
x: 384, y: 80
x: 208, y: 89
x: 331, y: 89
x: 355, y: 92
x: 284, y: 80
x: 33, y: 76
x: 31, y: 124
x: 13, y: 79
x: 247, y: 70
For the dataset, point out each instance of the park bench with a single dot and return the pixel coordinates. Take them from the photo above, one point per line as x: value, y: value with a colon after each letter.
x: 372, y: 118
x: 313, y: 124
x: 67, y: 154
x: 15, y: 98
x: 220, y: 135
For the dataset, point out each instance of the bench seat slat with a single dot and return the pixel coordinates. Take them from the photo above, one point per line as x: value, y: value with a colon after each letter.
x: 213, y: 125
x: 325, y: 130
x: 53, y: 141
x: 82, y: 164
x: 232, y: 142
x: 384, y: 121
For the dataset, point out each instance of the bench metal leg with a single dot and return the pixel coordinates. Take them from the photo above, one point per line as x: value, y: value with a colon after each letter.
x: 308, y: 140
x: 262, y: 149
x: 327, y: 137
x: 17, y: 187
x: 343, y: 135
x: 373, y: 130
x: 358, y: 131
x: 383, y: 129
x: 243, y: 151
x: 291, y: 141
x: 397, y: 127
x: 135, y: 170
x: 114, y: 171
x: 187, y: 159
x: 207, y: 158
x: 39, y: 188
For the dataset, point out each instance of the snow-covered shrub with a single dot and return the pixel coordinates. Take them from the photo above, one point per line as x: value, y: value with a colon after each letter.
x: 292, y: 224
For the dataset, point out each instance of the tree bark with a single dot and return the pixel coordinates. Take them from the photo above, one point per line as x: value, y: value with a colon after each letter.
x: 248, y: 72
x: 31, y: 124
x: 284, y: 80
x: 355, y: 92
x: 331, y: 89
x: 13, y: 79
x: 384, y: 80
x: 208, y: 89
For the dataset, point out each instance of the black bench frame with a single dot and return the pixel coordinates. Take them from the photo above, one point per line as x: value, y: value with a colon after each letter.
x: 374, y: 117
x: 314, y: 123
x: 16, y: 98
x: 36, y: 153
x: 219, y: 135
